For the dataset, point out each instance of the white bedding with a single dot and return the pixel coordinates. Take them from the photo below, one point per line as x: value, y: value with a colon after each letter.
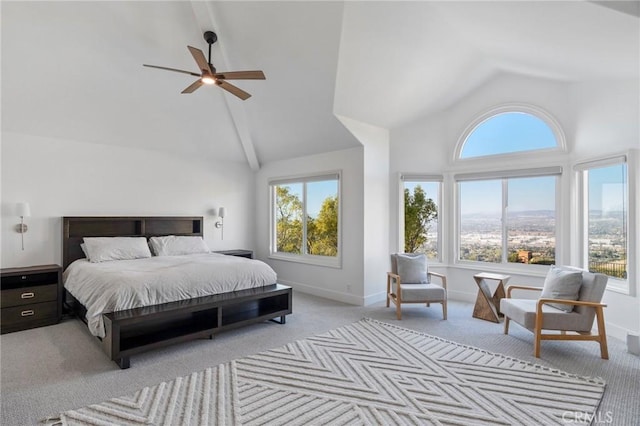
x: 125, y: 284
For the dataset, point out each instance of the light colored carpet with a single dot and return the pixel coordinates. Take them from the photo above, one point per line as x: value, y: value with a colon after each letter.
x: 369, y: 372
x: 49, y: 370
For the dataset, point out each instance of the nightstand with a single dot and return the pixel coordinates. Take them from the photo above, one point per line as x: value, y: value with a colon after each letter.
x: 31, y: 297
x: 238, y: 252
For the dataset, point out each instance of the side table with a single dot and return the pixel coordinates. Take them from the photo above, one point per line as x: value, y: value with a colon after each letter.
x: 487, y: 305
x: 30, y: 297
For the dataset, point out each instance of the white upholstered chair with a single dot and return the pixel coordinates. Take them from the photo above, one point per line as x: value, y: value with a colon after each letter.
x: 564, y: 306
x: 410, y: 282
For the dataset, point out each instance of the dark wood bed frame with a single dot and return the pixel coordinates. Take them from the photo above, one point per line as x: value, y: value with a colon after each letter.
x: 137, y: 330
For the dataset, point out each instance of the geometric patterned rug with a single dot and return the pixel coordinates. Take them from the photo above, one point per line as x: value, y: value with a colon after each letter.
x: 366, y: 373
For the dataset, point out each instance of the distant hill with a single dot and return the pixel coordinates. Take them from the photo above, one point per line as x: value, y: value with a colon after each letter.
x: 523, y: 213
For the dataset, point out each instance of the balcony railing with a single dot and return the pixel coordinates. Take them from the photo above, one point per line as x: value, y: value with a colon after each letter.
x: 617, y: 270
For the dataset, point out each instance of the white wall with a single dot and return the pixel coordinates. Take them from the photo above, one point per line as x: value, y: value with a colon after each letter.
x: 598, y: 118
x: 607, y: 118
x: 333, y: 283
x: 376, y: 247
x: 66, y: 178
x: 376, y: 217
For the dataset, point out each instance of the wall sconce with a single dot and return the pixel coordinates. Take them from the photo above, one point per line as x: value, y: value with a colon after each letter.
x: 23, y: 210
x: 220, y: 223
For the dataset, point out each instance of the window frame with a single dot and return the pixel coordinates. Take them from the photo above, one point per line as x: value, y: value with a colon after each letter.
x: 504, y: 176
x: 328, y: 261
x: 416, y: 177
x: 548, y: 119
x: 581, y: 169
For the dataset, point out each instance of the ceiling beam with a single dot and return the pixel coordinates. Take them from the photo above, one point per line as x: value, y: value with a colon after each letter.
x: 207, y: 22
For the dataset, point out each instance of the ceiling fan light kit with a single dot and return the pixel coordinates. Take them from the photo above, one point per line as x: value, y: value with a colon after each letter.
x: 208, y: 74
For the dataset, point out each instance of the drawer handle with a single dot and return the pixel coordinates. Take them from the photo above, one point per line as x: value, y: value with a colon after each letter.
x: 23, y: 277
x: 27, y: 313
x: 28, y: 295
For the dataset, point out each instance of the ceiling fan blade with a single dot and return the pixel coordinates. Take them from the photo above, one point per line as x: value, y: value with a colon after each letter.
x: 233, y: 90
x: 241, y: 75
x: 196, y: 84
x: 171, y: 69
x: 200, y: 59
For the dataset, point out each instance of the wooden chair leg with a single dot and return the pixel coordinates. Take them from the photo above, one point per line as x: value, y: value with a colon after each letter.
x: 536, y: 343
x: 444, y: 310
x: 506, y: 325
x: 399, y: 310
x: 388, y: 289
x: 428, y: 304
x: 537, y: 332
x: 604, y: 352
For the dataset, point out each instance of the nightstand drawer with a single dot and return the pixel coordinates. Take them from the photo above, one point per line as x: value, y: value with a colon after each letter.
x: 28, y: 313
x: 29, y: 295
x: 29, y: 279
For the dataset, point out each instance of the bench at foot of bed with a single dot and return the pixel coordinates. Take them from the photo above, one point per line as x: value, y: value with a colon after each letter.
x: 139, y: 330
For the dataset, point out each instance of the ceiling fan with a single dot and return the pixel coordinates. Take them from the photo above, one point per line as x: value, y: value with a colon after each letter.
x: 208, y: 74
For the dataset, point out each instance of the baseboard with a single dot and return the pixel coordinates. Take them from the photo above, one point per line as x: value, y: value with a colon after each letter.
x: 327, y: 294
x: 375, y: 298
x: 633, y: 343
x: 462, y: 296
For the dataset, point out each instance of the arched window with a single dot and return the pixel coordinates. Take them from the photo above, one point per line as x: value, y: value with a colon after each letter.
x: 508, y: 215
x: 508, y: 130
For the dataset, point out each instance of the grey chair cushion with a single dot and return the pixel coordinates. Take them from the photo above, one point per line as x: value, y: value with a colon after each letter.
x: 421, y: 292
x: 523, y: 311
x: 562, y: 283
x: 412, y: 268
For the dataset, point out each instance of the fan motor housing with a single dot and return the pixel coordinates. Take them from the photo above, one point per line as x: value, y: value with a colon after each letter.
x: 210, y: 37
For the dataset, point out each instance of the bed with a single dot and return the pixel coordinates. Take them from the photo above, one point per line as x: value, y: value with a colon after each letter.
x: 239, y: 292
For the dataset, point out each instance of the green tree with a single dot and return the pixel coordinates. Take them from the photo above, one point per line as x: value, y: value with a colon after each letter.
x: 419, y: 212
x: 288, y: 221
x: 322, y: 232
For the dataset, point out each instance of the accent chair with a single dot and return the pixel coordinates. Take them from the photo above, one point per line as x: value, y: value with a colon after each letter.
x: 410, y: 282
x: 569, y: 303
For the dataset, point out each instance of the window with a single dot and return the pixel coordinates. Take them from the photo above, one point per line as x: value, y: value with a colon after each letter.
x: 510, y: 129
x: 605, y: 206
x: 306, y: 220
x: 420, y: 201
x: 508, y: 217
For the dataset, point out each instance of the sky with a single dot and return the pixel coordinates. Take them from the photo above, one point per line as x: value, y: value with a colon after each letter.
x: 607, y: 191
x: 506, y: 133
x: 317, y: 192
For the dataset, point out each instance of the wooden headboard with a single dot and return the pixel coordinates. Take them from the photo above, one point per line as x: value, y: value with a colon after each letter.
x: 76, y: 227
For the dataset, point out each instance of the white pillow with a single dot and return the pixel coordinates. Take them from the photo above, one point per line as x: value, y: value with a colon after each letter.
x: 412, y: 268
x: 173, y: 245
x: 84, y: 250
x: 102, y: 249
x: 562, y: 284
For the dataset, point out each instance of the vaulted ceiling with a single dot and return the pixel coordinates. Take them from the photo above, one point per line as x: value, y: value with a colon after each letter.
x: 73, y: 70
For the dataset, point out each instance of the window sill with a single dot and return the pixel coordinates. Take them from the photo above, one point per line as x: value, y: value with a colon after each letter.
x: 330, y: 262
x: 504, y: 268
x: 619, y: 286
